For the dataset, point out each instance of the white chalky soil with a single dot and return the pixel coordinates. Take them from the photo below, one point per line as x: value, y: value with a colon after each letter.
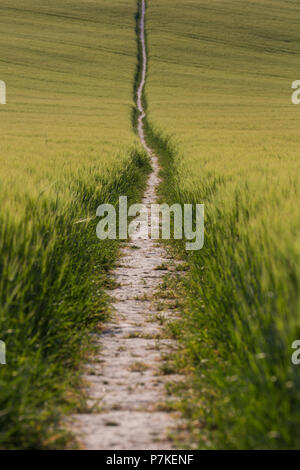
x: 127, y: 382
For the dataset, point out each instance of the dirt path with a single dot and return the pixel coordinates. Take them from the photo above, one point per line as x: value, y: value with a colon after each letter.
x: 126, y: 381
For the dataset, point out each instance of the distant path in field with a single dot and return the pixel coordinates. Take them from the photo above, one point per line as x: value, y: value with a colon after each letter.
x: 126, y: 381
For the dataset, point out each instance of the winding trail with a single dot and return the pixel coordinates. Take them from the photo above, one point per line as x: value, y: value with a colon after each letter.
x: 126, y: 381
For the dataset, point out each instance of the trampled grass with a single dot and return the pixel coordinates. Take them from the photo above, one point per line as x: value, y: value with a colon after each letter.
x: 67, y: 146
x: 219, y: 83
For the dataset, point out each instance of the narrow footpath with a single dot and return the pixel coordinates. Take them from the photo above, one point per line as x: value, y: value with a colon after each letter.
x: 126, y: 381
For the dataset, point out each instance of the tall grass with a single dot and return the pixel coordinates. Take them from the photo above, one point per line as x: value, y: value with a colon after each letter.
x: 237, y: 151
x: 53, y: 295
x: 66, y: 146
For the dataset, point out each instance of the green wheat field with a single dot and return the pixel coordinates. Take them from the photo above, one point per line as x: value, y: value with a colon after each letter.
x: 220, y: 116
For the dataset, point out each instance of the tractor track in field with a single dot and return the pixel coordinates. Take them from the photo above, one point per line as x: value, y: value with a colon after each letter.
x: 126, y: 380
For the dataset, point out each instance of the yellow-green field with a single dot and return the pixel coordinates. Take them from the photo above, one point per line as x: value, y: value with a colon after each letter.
x: 67, y: 145
x: 219, y: 114
x: 68, y: 67
x: 219, y: 83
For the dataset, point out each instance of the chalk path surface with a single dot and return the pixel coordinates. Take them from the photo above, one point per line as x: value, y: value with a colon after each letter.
x: 126, y: 381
